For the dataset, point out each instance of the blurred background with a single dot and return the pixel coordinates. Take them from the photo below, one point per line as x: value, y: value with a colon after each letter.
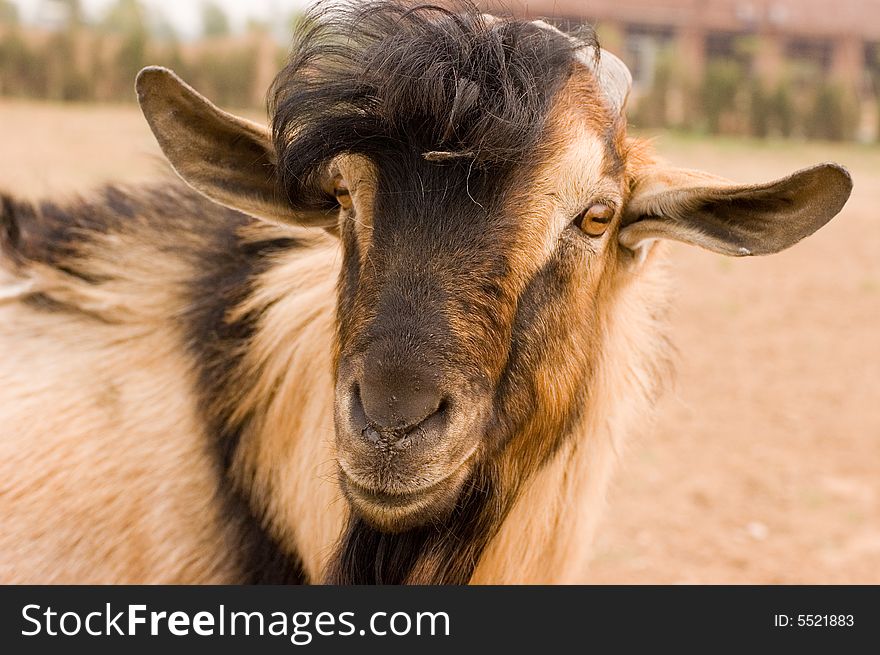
x: 789, y: 68
x: 90, y: 51
x: 764, y: 463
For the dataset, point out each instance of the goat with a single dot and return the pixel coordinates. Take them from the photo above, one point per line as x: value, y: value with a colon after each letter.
x: 399, y: 338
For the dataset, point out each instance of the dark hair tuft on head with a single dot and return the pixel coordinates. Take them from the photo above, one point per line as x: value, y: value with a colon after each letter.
x: 450, y: 83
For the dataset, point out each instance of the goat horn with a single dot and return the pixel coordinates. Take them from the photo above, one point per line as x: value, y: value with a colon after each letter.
x: 613, y: 76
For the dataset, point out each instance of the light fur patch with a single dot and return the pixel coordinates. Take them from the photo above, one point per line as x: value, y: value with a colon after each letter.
x: 105, y: 476
x: 290, y: 456
x: 360, y: 175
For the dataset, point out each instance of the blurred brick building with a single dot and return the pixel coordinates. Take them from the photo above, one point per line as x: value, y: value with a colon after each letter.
x: 841, y: 37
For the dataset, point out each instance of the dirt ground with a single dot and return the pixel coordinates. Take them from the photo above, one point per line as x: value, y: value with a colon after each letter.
x: 764, y: 463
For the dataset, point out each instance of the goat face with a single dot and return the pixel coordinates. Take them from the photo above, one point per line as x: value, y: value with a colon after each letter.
x: 466, y: 303
x: 465, y: 266
x: 489, y: 209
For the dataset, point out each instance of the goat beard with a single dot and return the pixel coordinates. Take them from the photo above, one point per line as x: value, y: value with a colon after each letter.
x: 442, y: 552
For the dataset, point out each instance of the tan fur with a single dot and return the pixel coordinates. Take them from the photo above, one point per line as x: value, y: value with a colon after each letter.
x: 360, y: 175
x: 104, y: 475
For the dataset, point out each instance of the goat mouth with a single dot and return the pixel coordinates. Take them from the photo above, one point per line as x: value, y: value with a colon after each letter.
x: 402, y: 510
x: 389, y: 500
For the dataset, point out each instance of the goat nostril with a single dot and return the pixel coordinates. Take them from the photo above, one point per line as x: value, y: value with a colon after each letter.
x: 356, y: 406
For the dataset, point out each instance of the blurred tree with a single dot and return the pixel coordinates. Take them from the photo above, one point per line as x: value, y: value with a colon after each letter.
x: 124, y: 17
x: 74, y: 12
x: 874, y: 69
x: 226, y: 75
x: 256, y: 25
x: 834, y: 113
x: 721, y: 84
x: 784, y: 110
x: 132, y: 56
x: 772, y: 110
x: 8, y: 12
x: 64, y: 80
x: 128, y: 19
x: 214, y: 20
x: 81, y: 61
x: 58, y: 14
x: 171, y: 56
x: 760, y: 111
x: 22, y: 70
x: 161, y: 29
x: 653, y: 108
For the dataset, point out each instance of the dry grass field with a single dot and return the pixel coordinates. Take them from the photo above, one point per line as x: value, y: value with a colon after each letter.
x: 764, y: 464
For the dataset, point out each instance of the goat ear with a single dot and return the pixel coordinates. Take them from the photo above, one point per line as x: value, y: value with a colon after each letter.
x: 732, y: 219
x: 229, y: 159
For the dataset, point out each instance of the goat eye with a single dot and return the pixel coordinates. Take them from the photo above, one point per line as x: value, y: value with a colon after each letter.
x: 594, y: 220
x: 340, y: 190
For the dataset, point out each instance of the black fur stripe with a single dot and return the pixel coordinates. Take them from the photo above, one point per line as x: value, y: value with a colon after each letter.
x: 229, y: 268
